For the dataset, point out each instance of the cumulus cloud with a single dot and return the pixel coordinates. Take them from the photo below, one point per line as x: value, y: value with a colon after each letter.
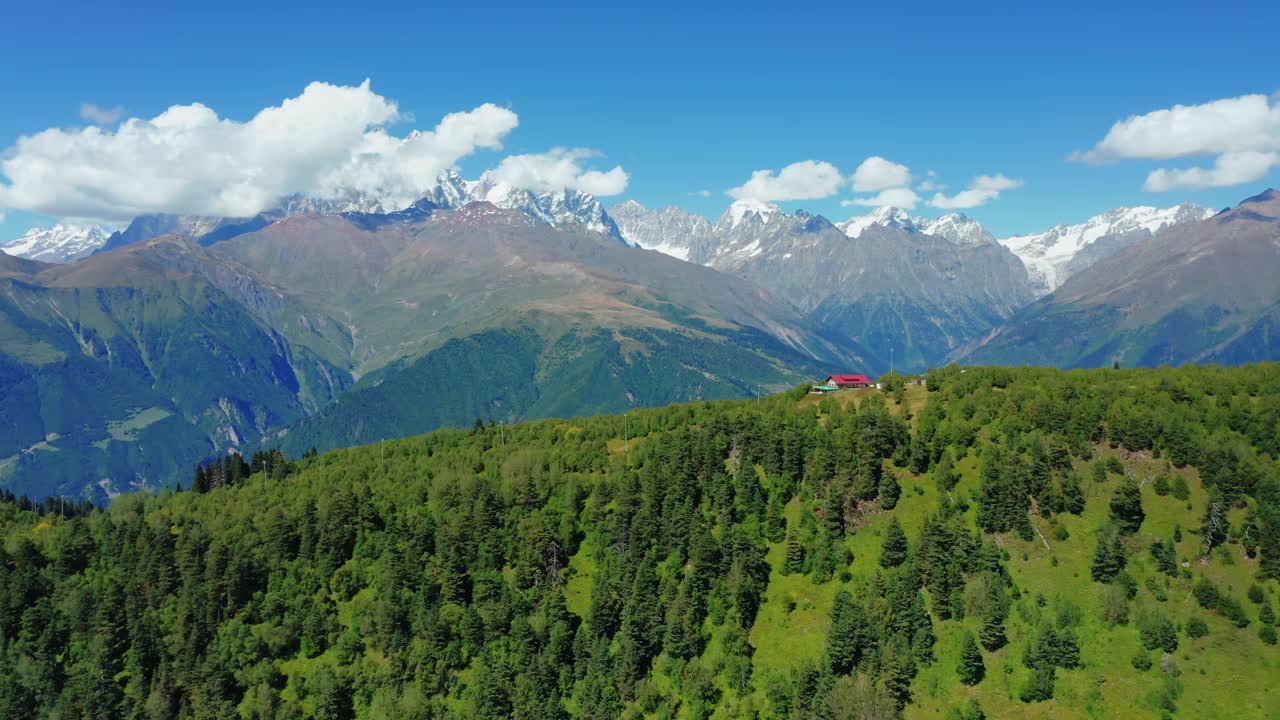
x: 901, y: 197
x: 559, y: 169
x: 983, y: 189
x: 1243, y: 132
x: 876, y: 174
x: 1234, y: 168
x: 100, y: 115
x: 804, y: 180
x: 189, y: 160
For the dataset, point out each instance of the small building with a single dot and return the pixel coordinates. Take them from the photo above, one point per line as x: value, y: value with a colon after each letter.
x: 849, y: 381
x: 823, y: 389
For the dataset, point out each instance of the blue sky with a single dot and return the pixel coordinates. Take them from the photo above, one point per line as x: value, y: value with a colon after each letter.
x: 691, y: 99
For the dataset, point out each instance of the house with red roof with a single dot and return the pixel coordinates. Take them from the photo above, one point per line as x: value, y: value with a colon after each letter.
x: 849, y: 381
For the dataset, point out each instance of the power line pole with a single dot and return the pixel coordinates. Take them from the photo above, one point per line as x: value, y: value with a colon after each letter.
x: 626, y: 439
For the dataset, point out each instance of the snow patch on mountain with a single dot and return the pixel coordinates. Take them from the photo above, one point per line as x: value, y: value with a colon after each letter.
x: 671, y: 230
x: 1048, y: 255
x: 61, y: 243
x: 955, y: 227
x: 747, y: 211
x: 559, y: 208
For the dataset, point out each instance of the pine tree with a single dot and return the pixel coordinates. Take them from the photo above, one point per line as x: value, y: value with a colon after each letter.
x: 1126, y: 507
x: 1039, y: 686
x: 849, y: 635
x: 894, y: 549
x: 992, y: 633
x: 795, y: 556
x: 971, y: 667
x: 1108, y: 557
x: 944, y: 476
x: 897, y: 668
x: 1072, y: 494
x: 890, y: 491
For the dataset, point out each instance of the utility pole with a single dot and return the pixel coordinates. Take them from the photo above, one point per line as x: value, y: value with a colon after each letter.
x: 382, y: 450
x: 626, y: 440
x: 890, y: 358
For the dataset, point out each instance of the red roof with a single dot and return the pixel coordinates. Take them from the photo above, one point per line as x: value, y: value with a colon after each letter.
x: 850, y: 379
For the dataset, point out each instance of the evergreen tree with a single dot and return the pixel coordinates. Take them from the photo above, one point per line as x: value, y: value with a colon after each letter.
x: 1126, y: 507
x: 1108, y: 556
x: 971, y: 668
x: 944, y: 475
x: 795, y: 556
x: 890, y: 491
x: 897, y: 668
x: 849, y: 636
x: 992, y: 633
x: 893, y: 551
x: 1072, y: 494
x: 1039, y: 686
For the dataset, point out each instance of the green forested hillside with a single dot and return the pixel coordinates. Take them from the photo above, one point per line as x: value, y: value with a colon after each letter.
x: 1001, y: 543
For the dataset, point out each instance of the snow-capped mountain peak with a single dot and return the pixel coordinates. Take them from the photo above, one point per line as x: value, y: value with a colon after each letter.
x: 62, y: 243
x: 748, y: 210
x: 959, y: 229
x: 886, y: 216
x: 556, y: 207
x: 671, y: 230
x: 953, y: 227
x: 1051, y: 256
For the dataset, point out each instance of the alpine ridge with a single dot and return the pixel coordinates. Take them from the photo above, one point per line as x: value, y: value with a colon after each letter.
x: 62, y: 243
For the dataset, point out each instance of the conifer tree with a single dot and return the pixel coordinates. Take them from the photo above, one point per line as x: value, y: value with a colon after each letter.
x: 971, y: 668
x: 849, y: 635
x: 992, y: 634
x: 944, y: 476
x: 1108, y: 556
x: 1072, y: 494
x: 1126, y: 507
x: 795, y: 556
x: 893, y: 551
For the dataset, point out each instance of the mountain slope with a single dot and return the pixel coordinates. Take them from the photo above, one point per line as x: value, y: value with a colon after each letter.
x: 1198, y: 292
x: 58, y: 244
x: 131, y: 364
x: 573, y: 322
x: 117, y: 371
x: 913, y: 288
x: 1056, y: 254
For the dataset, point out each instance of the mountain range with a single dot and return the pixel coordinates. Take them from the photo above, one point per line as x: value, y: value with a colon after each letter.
x: 119, y: 370
x: 324, y: 323
x: 1205, y: 291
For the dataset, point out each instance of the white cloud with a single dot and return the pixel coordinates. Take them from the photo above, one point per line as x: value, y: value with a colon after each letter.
x: 900, y: 197
x: 189, y: 160
x: 558, y: 169
x: 931, y: 183
x: 983, y: 189
x: 1243, y: 132
x: 1233, y: 168
x: 876, y: 174
x: 100, y: 115
x: 804, y: 180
